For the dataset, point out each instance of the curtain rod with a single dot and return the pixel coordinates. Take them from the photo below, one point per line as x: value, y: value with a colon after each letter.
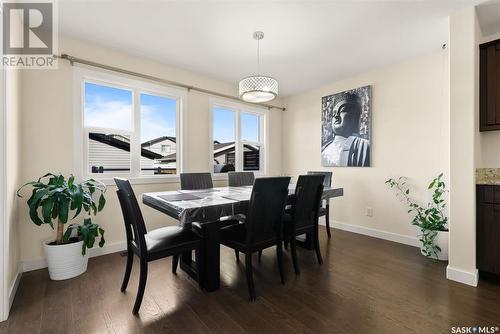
x: 73, y: 60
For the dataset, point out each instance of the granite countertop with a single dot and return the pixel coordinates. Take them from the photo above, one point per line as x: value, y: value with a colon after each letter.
x: 488, y: 176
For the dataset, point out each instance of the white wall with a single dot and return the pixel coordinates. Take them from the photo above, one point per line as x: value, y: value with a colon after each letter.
x: 463, y: 30
x: 409, y: 137
x: 13, y: 165
x: 47, y: 135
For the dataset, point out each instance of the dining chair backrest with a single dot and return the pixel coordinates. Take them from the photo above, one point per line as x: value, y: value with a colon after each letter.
x: 327, y: 182
x: 307, y: 200
x: 266, y: 208
x: 132, y: 216
x: 239, y: 179
x: 194, y: 181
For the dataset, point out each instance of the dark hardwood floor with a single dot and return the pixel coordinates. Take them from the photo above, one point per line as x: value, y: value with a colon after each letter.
x: 365, y: 285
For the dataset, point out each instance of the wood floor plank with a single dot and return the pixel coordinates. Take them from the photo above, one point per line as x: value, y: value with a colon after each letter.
x: 57, y: 310
x: 26, y: 313
x: 365, y: 285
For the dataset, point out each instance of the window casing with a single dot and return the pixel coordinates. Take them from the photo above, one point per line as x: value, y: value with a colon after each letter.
x: 147, y: 162
x: 249, y: 133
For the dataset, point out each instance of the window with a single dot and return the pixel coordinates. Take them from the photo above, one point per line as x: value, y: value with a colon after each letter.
x: 165, y: 149
x: 130, y: 128
x: 238, y: 139
x: 158, y: 132
x: 108, y: 123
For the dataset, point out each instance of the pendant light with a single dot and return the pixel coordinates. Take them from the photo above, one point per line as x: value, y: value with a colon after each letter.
x: 258, y: 88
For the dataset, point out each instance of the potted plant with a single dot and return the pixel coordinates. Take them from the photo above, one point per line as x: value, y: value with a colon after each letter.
x: 52, y: 200
x: 431, y: 219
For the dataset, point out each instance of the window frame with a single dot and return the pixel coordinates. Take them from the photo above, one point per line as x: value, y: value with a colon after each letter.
x: 81, y: 75
x: 238, y: 109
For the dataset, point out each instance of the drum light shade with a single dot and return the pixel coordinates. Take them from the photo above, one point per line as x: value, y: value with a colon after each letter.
x: 257, y: 89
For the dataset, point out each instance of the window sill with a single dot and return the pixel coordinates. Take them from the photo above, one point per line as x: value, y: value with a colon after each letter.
x: 140, y: 180
x: 219, y: 176
x: 223, y: 176
x: 108, y: 181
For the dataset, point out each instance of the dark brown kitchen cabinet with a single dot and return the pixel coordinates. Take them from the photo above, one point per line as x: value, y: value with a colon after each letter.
x: 489, y: 86
x: 488, y: 229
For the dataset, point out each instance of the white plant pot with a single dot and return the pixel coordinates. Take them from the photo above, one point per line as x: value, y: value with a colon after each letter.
x: 65, y: 261
x: 441, y: 241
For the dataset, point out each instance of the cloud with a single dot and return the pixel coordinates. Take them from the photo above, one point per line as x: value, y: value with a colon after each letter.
x: 154, y: 123
x: 116, y: 114
x: 107, y: 114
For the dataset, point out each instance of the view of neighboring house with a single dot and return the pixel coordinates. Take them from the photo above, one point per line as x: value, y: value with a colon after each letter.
x: 224, y: 157
x: 111, y: 153
x: 163, y: 145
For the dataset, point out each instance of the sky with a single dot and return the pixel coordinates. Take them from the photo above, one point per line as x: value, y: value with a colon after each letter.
x: 109, y: 107
x: 224, y: 120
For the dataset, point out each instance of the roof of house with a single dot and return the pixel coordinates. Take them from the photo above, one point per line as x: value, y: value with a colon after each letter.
x: 158, y: 140
x: 219, y: 149
x: 123, y: 145
x: 222, y: 148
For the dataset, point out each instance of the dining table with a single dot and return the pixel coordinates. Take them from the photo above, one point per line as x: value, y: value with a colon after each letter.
x: 204, y: 209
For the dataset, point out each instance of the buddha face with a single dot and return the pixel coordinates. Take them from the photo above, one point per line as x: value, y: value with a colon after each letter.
x: 346, y: 118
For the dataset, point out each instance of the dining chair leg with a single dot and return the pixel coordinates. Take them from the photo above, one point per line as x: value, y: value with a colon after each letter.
x: 279, y: 255
x: 142, y: 286
x: 249, y: 271
x: 316, y: 246
x: 175, y: 263
x: 293, y: 246
x: 237, y: 254
x: 260, y: 255
x: 128, y: 269
x: 327, y: 218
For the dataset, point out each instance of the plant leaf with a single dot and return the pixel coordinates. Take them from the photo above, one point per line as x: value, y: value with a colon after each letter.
x: 47, y: 206
x: 67, y: 234
x: 101, y: 243
x: 102, y: 202
x: 63, y: 209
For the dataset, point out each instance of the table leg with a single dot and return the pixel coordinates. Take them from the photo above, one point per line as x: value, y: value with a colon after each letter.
x: 210, y: 256
x: 207, y: 270
x: 188, y: 265
x: 305, y: 241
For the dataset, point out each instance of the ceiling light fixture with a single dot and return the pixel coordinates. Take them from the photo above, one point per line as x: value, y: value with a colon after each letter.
x: 258, y: 88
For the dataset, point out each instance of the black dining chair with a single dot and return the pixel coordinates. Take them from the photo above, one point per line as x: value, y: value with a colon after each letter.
x: 263, y: 226
x: 304, y: 214
x: 196, y: 181
x: 324, y: 209
x: 239, y: 179
x: 150, y: 245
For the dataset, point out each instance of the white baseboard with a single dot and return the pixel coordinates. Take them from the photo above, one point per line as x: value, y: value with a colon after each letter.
x: 400, y: 238
x: 461, y: 276
x: 93, y: 252
x: 108, y: 249
x: 30, y: 265
x: 15, y: 284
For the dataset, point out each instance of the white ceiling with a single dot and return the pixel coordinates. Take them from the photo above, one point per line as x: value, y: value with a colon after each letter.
x: 489, y: 17
x: 306, y: 43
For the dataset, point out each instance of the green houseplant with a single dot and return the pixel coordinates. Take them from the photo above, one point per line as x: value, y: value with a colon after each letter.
x: 431, y: 218
x: 56, y: 201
